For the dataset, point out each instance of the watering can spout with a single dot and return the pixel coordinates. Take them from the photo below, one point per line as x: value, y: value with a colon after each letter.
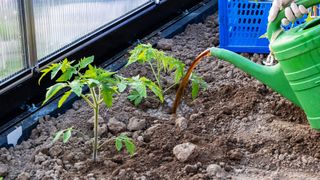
x: 272, y: 76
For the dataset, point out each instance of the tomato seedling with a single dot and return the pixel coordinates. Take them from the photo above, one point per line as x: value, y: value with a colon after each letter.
x: 102, y: 85
x: 160, y: 64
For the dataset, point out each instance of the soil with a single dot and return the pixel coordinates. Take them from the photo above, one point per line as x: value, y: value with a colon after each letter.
x: 238, y: 129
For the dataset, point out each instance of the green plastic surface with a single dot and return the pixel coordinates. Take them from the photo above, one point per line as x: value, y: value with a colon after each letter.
x: 297, y: 75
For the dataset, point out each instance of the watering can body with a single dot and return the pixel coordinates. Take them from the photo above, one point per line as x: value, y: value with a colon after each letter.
x: 297, y: 75
x: 298, y: 53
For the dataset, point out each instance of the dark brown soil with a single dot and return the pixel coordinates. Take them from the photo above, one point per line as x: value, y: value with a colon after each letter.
x: 238, y: 124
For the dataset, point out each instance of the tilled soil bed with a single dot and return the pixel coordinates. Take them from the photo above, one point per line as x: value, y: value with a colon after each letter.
x: 237, y: 129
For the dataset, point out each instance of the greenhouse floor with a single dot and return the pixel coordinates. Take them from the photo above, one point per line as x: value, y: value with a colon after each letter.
x: 240, y: 130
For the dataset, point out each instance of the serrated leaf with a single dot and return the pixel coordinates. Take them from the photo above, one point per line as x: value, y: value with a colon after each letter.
x: 140, y: 54
x: 104, y: 74
x: 122, y: 86
x: 85, y: 62
x: 67, y: 135
x: 55, y: 71
x: 138, y: 100
x: 197, y: 84
x: 57, y: 136
x: 153, y: 87
x: 65, y: 65
x: 178, y: 73
x: 93, y: 82
x: 90, y: 73
x: 64, y: 98
x: 107, y: 95
x: 46, y: 71
x: 135, y: 97
x: 195, y: 89
x: 118, y: 144
x: 140, y: 88
x: 67, y: 75
x: 131, y: 148
x: 76, y: 87
x: 53, y: 90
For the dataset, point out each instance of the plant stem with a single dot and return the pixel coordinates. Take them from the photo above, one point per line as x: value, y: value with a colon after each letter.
x: 95, y: 143
x: 107, y: 141
x: 87, y: 100
x: 155, y: 75
x: 169, y: 88
x: 159, y: 75
x: 95, y: 124
x: 81, y: 134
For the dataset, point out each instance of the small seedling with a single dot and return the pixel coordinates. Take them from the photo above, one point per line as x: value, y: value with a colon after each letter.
x: 139, y: 86
x: 160, y: 64
x: 123, y: 139
x: 102, y: 87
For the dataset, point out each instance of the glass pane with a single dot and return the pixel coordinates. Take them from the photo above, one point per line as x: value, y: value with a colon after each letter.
x: 11, y: 53
x: 60, y: 22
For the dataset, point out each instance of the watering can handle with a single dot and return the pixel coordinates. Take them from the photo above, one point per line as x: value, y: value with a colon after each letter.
x: 276, y: 24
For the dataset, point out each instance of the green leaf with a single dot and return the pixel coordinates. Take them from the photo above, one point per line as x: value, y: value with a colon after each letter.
x: 135, y: 97
x: 195, y: 89
x: 265, y: 35
x: 57, y: 136
x: 85, y: 62
x: 90, y: 73
x: 64, y: 98
x: 153, y: 87
x: 122, y: 86
x: 93, y: 82
x: 107, y: 95
x: 65, y: 65
x: 141, y: 54
x: 67, y: 135
x: 53, y: 90
x: 46, y: 71
x: 197, y: 84
x: 55, y: 70
x: 118, y: 144
x: 131, y: 148
x: 179, y: 72
x: 76, y: 87
x: 1, y: 178
x: 67, y: 75
x: 139, y: 86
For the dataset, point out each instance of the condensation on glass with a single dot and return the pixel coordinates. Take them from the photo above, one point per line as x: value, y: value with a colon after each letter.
x: 11, y: 51
x: 61, y: 22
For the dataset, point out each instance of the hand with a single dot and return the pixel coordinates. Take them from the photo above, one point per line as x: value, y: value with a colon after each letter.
x: 292, y: 12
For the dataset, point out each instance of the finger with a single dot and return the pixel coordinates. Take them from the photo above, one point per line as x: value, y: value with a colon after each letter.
x: 273, y: 13
x: 295, y: 10
x: 277, y: 3
x: 289, y: 14
x: 285, y: 22
x: 286, y: 2
x: 303, y: 10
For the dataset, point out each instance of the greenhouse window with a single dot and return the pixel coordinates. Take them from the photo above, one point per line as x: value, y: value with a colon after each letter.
x: 12, y: 57
x: 59, y: 23
x: 30, y: 31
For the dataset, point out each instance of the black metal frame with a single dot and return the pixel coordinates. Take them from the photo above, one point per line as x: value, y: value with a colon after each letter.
x: 103, y: 44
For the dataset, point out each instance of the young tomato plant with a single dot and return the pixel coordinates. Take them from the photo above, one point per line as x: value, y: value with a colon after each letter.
x: 160, y: 64
x: 102, y: 87
x: 139, y: 86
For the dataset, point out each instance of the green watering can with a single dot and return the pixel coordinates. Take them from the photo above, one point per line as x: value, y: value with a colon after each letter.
x: 297, y: 75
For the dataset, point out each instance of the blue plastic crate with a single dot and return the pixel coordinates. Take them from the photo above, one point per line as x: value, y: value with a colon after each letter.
x: 242, y: 23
